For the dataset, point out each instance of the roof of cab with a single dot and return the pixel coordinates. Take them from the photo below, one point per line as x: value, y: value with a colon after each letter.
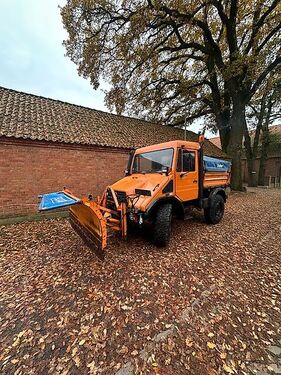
x: 170, y: 144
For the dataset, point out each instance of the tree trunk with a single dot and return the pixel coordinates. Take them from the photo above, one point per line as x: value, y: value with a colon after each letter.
x: 225, y: 116
x: 252, y: 180
x: 264, y: 150
x: 252, y: 153
x: 234, y: 148
x: 250, y: 156
x: 263, y: 159
x: 265, y: 141
x: 223, y: 121
x: 224, y: 132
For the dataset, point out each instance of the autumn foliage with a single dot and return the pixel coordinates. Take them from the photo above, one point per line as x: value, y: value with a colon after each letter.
x: 166, y: 60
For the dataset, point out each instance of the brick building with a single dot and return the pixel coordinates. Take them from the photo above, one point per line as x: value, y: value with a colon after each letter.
x: 273, y: 163
x: 47, y: 144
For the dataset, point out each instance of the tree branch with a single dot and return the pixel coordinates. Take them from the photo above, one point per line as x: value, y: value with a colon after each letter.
x: 268, y: 37
x: 263, y: 75
x: 258, y: 24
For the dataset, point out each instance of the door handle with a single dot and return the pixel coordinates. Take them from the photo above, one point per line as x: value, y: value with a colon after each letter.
x: 195, y: 181
x: 183, y: 174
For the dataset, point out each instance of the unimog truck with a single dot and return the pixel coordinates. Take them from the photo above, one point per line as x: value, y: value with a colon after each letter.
x: 161, y: 181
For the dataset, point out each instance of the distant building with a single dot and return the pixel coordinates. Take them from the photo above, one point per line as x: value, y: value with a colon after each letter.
x: 273, y: 164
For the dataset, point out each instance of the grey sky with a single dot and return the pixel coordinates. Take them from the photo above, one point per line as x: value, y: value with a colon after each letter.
x: 32, y: 56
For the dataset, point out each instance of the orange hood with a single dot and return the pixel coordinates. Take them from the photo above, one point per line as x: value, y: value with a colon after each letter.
x: 154, y: 182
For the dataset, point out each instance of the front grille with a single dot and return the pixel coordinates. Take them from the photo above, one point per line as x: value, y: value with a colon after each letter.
x: 120, y: 195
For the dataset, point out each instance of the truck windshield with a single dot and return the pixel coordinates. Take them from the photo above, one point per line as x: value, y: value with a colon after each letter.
x: 154, y: 161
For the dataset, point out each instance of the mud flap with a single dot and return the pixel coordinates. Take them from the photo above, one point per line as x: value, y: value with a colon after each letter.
x: 89, y: 223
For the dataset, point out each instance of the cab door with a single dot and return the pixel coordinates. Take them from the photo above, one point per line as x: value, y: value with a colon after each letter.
x: 187, y: 187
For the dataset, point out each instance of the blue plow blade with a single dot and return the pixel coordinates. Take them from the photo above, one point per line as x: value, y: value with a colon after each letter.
x: 59, y: 199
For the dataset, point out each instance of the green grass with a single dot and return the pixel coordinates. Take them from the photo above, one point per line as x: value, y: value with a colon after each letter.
x: 33, y: 217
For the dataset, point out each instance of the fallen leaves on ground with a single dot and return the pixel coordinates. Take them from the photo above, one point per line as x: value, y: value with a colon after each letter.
x: 62, y: 311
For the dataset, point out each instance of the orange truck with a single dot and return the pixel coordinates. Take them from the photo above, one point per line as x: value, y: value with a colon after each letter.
x: 161, y: 181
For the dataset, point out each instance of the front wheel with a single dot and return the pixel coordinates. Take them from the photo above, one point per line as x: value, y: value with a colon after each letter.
x: 214, y: 213
x: 162, y: 225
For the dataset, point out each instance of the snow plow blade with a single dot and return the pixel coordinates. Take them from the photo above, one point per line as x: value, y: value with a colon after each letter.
x: 59, y: 199
x: 89, y: 223
x: 85, y: 216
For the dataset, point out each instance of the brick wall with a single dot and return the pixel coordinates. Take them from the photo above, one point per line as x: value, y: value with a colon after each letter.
x: 30, y: 168
x: 273, y: 168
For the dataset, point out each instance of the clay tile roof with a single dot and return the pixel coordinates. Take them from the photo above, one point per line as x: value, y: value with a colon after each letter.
x: 34, y: 117
x: 216, y: 141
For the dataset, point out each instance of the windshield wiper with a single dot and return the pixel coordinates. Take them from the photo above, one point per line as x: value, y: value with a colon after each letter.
x: 149, y: 171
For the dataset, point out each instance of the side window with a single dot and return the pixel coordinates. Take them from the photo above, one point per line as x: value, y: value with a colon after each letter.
x: 186, y: 161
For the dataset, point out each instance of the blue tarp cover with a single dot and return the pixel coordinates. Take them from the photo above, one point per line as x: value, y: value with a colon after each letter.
x: 216, y: 165
x: 56, y: 200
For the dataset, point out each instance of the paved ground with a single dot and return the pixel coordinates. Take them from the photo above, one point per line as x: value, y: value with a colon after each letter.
x: 208, y: 304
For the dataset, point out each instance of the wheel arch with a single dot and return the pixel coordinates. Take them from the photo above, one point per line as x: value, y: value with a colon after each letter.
x: 178, y: 208
x: 218, y: 191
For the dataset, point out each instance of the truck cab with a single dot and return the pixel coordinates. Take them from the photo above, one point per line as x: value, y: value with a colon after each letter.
x: 173, y: 177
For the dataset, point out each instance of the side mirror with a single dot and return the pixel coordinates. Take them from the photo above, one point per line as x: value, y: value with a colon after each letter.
x: 127, y: 172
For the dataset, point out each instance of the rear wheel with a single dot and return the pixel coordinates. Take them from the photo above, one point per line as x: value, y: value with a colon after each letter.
x: 162, y: 225
x: 214, y: 213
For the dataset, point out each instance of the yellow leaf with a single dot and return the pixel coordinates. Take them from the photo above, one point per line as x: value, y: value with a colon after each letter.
x: 76, y: 359
x: 82, y: 342
x: 223, y: 355
x: 227, y: 369
x: 188, y: 342
x: 211, y: 345
x: 212, y: 371
x: 16, y: 342
x: 41, y: 343
x: 124, y: 350
x: 211, y: 334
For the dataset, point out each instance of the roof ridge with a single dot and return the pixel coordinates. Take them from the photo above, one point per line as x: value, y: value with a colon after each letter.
x: 80, y: 106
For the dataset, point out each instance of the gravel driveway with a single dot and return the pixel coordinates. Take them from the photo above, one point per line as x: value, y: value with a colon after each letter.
x: 210, y: 303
